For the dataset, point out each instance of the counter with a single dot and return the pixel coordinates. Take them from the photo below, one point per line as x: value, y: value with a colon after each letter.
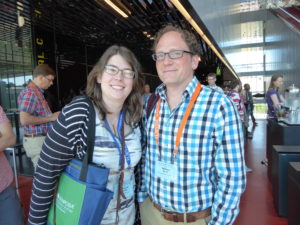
x: 294, y: 193
x: 280, y: 133
x: 281, y: 157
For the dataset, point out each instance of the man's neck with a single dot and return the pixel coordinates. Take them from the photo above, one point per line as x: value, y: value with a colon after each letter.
x: 36, y: 82
x: 174, y: 94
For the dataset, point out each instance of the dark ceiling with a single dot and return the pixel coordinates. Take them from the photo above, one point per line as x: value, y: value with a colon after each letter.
x: 96, y: 23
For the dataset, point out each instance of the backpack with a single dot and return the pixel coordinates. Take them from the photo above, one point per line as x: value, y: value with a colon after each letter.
x: 152, y: 100
x: 229, y: 95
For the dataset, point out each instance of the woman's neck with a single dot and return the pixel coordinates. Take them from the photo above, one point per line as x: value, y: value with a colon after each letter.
x: 113, y: 107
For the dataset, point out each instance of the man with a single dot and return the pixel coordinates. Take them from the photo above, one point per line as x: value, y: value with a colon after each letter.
x: 35, y: 114
x: 11, y: 212
x: 211, y: 80
x: 193, y: 169
x: 249, y: 103
x: 147, y: 92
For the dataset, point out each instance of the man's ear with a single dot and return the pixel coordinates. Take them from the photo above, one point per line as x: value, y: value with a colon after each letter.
x: 38, y: 78
x: 195, y: 61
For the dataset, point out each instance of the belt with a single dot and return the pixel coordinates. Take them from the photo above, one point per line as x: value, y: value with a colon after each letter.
x: 34, y: 135
x: 179, y: 217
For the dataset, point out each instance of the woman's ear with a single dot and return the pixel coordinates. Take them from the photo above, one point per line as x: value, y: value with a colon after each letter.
x: 99, y: 79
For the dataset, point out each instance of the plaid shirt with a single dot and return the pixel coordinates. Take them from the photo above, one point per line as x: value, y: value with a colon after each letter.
x: 29, y: 102
x: 239, y: 103
x: 210, y: 162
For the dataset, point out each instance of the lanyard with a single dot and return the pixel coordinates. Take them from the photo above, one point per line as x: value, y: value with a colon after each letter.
x: 182, y: 124
x: 44, y: 103
x: 120, y: 127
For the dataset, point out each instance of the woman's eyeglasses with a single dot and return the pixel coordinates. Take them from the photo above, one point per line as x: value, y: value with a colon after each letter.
x: 113, y: 70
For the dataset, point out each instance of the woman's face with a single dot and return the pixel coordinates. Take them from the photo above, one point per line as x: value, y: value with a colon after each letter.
x: 278, y: 83
x: 116, y: 88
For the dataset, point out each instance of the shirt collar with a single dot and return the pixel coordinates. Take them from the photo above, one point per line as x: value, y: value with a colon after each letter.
x: 189, y: 90
x: 40, y: 89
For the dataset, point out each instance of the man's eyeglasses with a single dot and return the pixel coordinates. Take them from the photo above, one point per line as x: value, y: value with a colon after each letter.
x: 176, y: 54
x: 50, y: 80
x: 113, y: 70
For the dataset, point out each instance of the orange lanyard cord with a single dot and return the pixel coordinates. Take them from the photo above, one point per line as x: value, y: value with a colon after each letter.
x: 156, y: 126
x: 184, y: 119
x: 186, y: 116
x: 39, y: 95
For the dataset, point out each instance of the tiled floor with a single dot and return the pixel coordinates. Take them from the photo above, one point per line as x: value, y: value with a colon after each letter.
x: 256, y: 208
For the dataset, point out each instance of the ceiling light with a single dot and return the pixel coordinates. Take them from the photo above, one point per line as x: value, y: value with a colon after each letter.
x: 116, y: 8
x: 187, y: 16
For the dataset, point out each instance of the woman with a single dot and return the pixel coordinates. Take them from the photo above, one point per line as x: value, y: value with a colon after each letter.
x: 11, y: 212
x: 115, y: 88
x: 273, y: 98
x: 238, y: 100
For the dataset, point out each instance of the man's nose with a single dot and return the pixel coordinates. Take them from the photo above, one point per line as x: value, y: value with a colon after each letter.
x: 167, y: 59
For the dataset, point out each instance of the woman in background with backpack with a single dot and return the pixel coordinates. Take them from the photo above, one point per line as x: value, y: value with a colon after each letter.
x: 234, y: 93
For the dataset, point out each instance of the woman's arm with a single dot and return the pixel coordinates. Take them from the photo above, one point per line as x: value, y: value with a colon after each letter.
x: 276, y: 102
x: 282, y: 99
x: 7, y: 136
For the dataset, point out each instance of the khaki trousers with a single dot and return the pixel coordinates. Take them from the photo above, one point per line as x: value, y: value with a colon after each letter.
x: 33, y: 148
x: 151, y: 216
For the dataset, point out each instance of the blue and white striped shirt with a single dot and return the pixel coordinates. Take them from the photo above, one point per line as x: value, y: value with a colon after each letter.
x: 210, y: 163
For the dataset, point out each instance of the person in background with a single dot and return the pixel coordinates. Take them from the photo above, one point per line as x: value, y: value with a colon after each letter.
x: 273, y: 98
x: 11, y: 212
x: 226, y: 88
x: 115, y: 87
x: 192, y: 169
x: 211, y: 80
x: 35, y: 114
x: 234, y: 93
x: 249, y: 105
x: 274, y: 101
x: 147, y: 92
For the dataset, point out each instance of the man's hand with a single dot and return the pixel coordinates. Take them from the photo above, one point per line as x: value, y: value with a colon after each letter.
x: 55, y: 115
x: 28, y: 119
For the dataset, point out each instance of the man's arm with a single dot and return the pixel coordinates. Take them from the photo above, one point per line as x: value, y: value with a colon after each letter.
x: 230, y: 165
x: 28, y: 119
x: 7, y: 136
x: 142, y: 192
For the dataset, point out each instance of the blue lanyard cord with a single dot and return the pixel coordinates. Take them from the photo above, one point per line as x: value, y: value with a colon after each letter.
x: 120, y: 126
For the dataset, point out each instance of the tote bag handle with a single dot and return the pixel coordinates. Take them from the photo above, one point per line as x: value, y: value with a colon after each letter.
x: 90, y: 141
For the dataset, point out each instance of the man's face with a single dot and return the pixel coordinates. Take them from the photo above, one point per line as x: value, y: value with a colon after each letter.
x: 211, y: 81
x: 175, y: 72
x: 46, y: 81
x: 146, y: 89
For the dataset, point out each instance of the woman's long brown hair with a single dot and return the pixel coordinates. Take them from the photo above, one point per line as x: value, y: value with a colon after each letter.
x: 133, y: 103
